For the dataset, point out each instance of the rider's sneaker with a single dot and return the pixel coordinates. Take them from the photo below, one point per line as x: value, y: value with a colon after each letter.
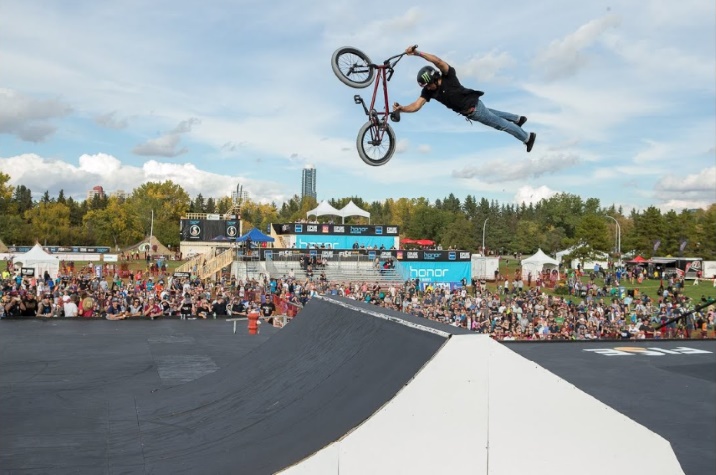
x: 521, y: 121
x: 530, y: 141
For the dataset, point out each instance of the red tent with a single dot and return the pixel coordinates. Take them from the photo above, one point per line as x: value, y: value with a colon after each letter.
x: 425, y: 242
x: 638, y: 260
x: 407, y: 241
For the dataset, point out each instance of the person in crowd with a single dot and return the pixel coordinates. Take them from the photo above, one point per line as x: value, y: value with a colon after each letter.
x: 115, y: 310
x: 45, y: 307
x: 152, y: 309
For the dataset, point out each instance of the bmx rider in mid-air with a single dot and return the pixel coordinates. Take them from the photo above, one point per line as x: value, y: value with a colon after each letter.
x: 443, y: 85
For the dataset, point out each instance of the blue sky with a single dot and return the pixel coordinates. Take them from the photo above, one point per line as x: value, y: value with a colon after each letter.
x: 210, y: 94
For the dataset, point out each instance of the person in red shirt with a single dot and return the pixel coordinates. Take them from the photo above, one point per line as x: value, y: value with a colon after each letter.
x: 152, y: 309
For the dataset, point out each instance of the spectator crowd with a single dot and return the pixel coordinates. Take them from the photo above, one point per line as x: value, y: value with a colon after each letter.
x: 509, y: 312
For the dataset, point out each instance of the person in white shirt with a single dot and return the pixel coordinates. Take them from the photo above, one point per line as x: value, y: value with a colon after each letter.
x: 70, y: 307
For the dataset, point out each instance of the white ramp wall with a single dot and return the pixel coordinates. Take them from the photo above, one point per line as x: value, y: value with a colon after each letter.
x: 479, y: 408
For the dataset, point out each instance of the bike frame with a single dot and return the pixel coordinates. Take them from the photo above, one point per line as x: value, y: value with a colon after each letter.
x: 380, y: 118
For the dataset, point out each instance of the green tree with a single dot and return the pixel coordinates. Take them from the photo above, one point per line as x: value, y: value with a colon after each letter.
x: 49, y: 221
x: 167, y: 201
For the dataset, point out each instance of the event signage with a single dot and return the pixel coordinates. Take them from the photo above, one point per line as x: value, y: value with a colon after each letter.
x: 62, y: 249
x: 205, y: 230
x: 27, y: 271
x: 398, y: 255
x: 182, y: 275
x: 354, y: 230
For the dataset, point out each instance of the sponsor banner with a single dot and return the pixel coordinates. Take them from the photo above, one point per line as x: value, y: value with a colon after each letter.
x: 63, y: 249
x: 232, y: 229
x: 182, y: 275
x: 344, y: 247
x: 430, y: 272
x: 645, y: 351
x: 342, y: 242
x: 27, y: 271
x: 350, y: 229
x: 208, y: 230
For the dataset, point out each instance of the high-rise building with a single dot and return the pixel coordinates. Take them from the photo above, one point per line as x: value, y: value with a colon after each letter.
x: 308, y: 182
x: 95, y: 191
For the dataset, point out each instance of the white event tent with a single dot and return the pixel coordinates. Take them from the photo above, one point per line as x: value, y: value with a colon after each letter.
x: 351, y: 209
x: 536, y: 263
x: 36, y: 258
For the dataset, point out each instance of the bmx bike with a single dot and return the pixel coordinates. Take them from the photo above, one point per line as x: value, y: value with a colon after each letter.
x: 376, y: 139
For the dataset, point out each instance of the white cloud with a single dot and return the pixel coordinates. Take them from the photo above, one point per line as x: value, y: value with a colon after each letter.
x: 529, y: 195
x: 167, y: 145
x: 487, y: 67
x: 112, y: 121
x: 566, y: 56
x: 28, y: 118
x: 40, y: 174
x: 497, y: 171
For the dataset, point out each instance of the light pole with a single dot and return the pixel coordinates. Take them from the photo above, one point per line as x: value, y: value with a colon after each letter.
x: 618, y: 236
x: 483, y: 236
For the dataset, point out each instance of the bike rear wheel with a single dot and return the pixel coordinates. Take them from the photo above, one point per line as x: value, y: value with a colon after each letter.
x: 351, y: 66
x: 375, y: 144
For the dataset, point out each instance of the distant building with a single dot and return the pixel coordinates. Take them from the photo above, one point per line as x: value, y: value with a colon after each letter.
x: 308, y: 182
x: 97, y: 191
x: 121, y: 194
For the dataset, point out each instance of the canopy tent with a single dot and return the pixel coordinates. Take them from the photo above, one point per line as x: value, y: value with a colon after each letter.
x: 255, y: 236
x: 351, y: 209
x: 324, y: 209
x: 36, y: 258
x: 150, y: 245
x: 536, y: 263
x: 639, y: 260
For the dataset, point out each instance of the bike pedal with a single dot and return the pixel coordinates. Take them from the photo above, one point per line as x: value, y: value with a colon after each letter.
x: 358, y: 99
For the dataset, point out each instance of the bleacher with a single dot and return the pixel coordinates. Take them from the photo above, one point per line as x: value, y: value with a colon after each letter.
x: 336, y: 270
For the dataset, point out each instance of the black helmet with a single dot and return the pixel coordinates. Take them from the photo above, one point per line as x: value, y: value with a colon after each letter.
x: 427, y: 75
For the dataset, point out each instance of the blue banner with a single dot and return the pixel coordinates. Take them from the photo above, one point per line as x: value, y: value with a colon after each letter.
x: 343, y: 242
x: 432, y: 272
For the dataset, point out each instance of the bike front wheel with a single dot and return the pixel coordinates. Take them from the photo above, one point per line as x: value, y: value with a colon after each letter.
x: 352, y: 67
x: 376, y: 143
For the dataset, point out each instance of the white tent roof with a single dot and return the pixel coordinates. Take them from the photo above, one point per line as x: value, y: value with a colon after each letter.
x: 36, y: 255
x: 39, y: 260
x: 540, y: 257
x: 323, y: 209
x: 351, y: 209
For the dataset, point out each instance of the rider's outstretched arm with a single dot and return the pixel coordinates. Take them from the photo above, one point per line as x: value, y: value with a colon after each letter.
x: 414, y: 107
x: 441, y: 65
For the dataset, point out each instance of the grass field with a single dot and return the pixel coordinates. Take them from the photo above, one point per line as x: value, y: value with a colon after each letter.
x: 649, y: 287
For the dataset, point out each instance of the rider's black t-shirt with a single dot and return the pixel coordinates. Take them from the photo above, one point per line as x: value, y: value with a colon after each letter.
x: 452, y: 94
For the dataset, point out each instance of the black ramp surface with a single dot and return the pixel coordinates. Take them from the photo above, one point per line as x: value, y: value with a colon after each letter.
x: 666, y: 386
x: 68, y: 386
x: 322, y: 375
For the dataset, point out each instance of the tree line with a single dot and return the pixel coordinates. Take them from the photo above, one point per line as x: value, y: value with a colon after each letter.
x: 553, y: 224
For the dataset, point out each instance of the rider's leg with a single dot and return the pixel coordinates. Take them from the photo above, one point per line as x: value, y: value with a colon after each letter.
x: 505, y: 115
x: 485, y: 116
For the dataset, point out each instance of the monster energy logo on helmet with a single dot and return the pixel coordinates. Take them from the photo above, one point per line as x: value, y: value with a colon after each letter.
x: 427, y: 75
